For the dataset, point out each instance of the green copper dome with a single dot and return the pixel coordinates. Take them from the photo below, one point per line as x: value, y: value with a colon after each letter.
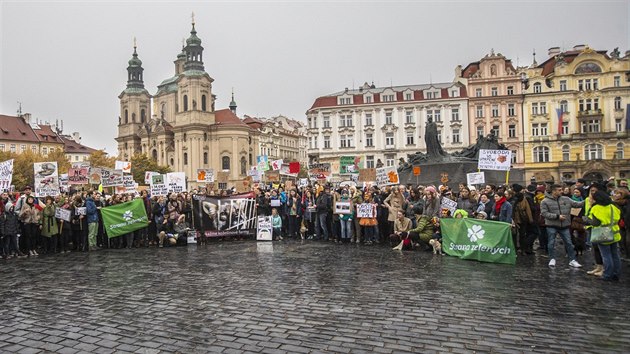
x: 193, y: 39
x: 135, y: 61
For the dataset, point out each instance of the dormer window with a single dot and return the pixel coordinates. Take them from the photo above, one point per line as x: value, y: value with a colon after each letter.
x: 455, y: 92
x: 429, y: 95
x: 345, y: 100
x: 368, y: 98
x: 388, y: 98
x: 408, y: 95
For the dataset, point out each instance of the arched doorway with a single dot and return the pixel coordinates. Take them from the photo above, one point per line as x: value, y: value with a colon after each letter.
x: 594, y: 176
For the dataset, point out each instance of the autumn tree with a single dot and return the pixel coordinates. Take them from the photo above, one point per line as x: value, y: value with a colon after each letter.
x: 23, y: 173
x: 99, y: 158
x: 140, y: 163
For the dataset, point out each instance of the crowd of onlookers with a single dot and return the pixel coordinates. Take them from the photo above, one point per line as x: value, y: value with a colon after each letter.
x: 397, y: 215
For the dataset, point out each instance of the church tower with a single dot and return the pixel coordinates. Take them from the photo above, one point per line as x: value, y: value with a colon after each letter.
x: 135, y: 103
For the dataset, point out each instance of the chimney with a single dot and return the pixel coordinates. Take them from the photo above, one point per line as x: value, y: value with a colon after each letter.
x: 579, y: 47
x: 27, y: 118
x: 553, y: 51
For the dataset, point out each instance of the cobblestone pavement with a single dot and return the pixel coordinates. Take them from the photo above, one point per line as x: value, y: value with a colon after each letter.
x: 294, y: 297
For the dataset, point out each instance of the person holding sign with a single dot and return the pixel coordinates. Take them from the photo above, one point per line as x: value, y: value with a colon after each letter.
x: 368, y: 222
x: 30, y: 216
x: 48, y: 226
x: 346, y: 219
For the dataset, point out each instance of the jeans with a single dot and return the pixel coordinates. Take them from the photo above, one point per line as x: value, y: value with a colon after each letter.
x: 346, y: 229
x: 369, y: 233
x: 566, y: 239
x: 612, y: 261
x: 92, y: 231
x: 322, y: 226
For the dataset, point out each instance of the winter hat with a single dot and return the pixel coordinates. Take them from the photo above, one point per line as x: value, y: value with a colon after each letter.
x: 517, y: 188
x: 430, y: 189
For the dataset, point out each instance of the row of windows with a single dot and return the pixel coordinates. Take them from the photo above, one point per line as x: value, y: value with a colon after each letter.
x: 23, y: 148
x: 346, y: 120
x: 495, y: 110
x: 347, y: 141
x: 591, y: 152
x: 390, y: 97
x: 494, y: 91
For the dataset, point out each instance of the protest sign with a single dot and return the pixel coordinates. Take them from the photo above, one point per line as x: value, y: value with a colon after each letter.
x: 124, y: 218
x: 262, y: 162
x: 95, y: 175
x: 274, y: 203
x: 272, y: 176
x: 223, y: 177
x: 286, y: 171
x: 265, y: 229
x: 158, y: 179
x: 416, y: 171
x: 294, y: 167
x: 81, y: 164
x: 129, y: 185
x: 158, y: 186
x: 46, y: 179
x: 366, y: 210
x: 78, y: 175
x: 63, y: 182
x: 481, y: 240
x: 63, y: 214
x: 498, y: 160
x: 303, y: 182
x: 124, y: 166
x: 176, y: 182
x: 276, y: 165
x: 367, y: 175
x: 80, y: 210
x: 288, y: 185
x: 111, y: 178
x: 224, y: 216
x: 343, y: 208
x: 243, y: 186
x: 318, y: 171
x: 449, y: 204
x: 6, y: 175
x: 147, y: 176
x: 349, y: 164
x: 475, y: 178
x: 205, y: 175
x: 386, y: 176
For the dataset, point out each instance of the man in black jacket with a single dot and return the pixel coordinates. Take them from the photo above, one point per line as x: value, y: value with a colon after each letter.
x: 324, y: 209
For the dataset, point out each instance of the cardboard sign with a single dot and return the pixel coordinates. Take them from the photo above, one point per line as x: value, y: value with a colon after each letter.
x: 449, y: 204
x: 288, y: 185
x: 475, y: 178
x: 46, y: 179
x: 498, y: 160
x: 81, y: 210
x: 223, y: 177
x: 129, y: 186
x: 265, y: 229
x: 205, y: 175
x: 366, y: 210
x: 349, y: 164
x: 63, y: 182
x: 262, y: 163
x: 147, y: 176
x: 303, y: 182
x: 125, y: 166
x: 159, y: 190
x: 416, y: 171
x: 111, y: 178
x: 319, y: 171
x: 6, y: 175
x: 243, y: 186
x: 294, y: 167
x: 176, y: 182
x: 343, y: 208
x: 78, y: 175
x: 63, y: 214
x: 386, y: 176
x: 95, y: 175
x: 276, y: 165
x: 274, y: 202
x: 367, y: 175
x: 272, y: 176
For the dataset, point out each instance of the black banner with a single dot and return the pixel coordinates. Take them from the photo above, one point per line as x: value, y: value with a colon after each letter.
x: 225, y: 216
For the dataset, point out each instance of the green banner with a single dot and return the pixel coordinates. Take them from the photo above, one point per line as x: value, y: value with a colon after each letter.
x: 124, y: 218
x: 481, y: 240
x: 350, y: 164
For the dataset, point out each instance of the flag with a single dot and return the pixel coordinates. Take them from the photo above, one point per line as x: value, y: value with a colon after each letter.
x: 124, y: 218
x: 294, y: 167
x: 628, y: 117
x: 481, y: 240
x: 560, y: 112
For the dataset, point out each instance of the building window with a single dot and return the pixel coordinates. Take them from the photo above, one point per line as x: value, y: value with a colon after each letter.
x: 439, y: 136
x: 537, y: 87
x: 243, y: 165
x: 454, y: 93
x: 410, y: 140
x: 408, y: 96
x: 368, y: 99
x: 429, y: 95
x: 369, y: 140
x: 495, y: 130
x: 172, y: 161
x: 326, y: 122
x: 203, y: 103
x: 591, y: 126
x: 539, y: 129
x: 44, y: 150
x: 389, y: 160
x: 23, y: 148
x: 479, y: 112
x: 541, y: 154
x: 593, y: 151
x: 534, y: 108
x: 1, y: 147
x: 143, y: 115
x: 618, y: 126
x: 563, y: 85
x: 345, y: 100
x: 326, y: 142
x: 388, y: 98
x: 543, y: 107
x: 389, y: 139
x: 512, y: 131
x: 566, y: 153
x: 588, y: 104
x: 617, y: 103
x: 480, y: 132
x: 617, y: 81
x: 315, y: 142
x: 495, y: 110
x: 369, y: 161
x: 368, y: 119
x: 222, y: 186
x: 514, y: 156
x: 205, y: 158
x: 511, y: 111
x: 434, y: 115
x: 349, y: 122
x: 388, y: 117
x: 33, y: 148
x: 409, y: 117
x: 455, y: 115
x: 346, y: 141
x: 478, y: 92
x: 185, y: 158
x: 494, y: 91
x: 565, y: 128
x: 510, y: 90
x: 225, y: 162
x: 185, y: 103
x: 456, y: 136
x: 76, y: 157
x: 619, y: 153
x: 564, y: 106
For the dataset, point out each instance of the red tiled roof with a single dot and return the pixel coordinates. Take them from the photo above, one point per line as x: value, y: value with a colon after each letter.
x: 470, y: 70
x: 569, y: 56
x: 226, y: 116
x: 72, y: 147
x: 45, y: 134
x: 326, y: 101
x: 16, y: 128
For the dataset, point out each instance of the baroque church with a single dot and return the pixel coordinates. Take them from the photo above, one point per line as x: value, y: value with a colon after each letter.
x: 179, y: 126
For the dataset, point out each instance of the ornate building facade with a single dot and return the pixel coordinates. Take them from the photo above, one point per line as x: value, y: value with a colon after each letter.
x: 179, y: 125
x: 575, y: 115
x: 385, y: 124
x: 495, y: 102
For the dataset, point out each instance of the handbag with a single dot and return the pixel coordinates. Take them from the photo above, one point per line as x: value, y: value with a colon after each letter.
x: 602, y: 234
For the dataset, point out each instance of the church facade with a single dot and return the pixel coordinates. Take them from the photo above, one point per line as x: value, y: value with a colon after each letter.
x: 179, y: 126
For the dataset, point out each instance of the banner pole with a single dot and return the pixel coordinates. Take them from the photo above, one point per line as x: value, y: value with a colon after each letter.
x: 507, y: 176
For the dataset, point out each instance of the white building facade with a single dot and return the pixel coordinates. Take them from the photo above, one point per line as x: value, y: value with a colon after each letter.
x: 385, y: 124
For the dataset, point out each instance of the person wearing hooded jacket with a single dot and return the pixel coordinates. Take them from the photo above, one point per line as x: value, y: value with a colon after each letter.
x: 9, y: 229
x: 602, y: 214
x: 556, y: 209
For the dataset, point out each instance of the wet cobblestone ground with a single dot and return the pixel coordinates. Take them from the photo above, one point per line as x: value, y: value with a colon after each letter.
x: 297, y: 297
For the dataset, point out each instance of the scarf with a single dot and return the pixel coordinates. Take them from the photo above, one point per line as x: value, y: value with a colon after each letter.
x: 497, y: 206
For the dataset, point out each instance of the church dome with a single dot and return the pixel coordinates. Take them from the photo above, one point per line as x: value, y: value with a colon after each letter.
x: 193, y: 40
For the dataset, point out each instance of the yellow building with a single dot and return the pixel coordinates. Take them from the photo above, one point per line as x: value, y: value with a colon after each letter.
x: 575, y: 116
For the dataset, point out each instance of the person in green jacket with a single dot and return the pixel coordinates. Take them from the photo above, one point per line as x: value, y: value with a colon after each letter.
x: 423, y: 232
x: 48, y: 226
x: 604, y: 214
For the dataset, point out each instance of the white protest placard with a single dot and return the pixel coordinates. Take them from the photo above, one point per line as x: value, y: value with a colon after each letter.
x: 176, y: 182
x: 111, y: 178
x: 449, y: 204
x: 6, y: 175
x: 147, y: 176
x: 343, y: 208
x: 159, y: 190
x: 303, y: 182
x: 475, y: 178
x: 129, y: 185
x: 365, y: 210
x: 276, y: 164
x: 63, y: 214
x: 205, y: 175
x: 386, y: 176
x: 275, y: 202
x: 63, y: 182
x: 46, y: 179
x: 265, y: 230
x: 81, y: 210
x: 125, y: 166
x: 498, y: 160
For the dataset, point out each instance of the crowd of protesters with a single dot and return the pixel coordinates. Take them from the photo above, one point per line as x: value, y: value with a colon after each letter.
x: 407, y: 215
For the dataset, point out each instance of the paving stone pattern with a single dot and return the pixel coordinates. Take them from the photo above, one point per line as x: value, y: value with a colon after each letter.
x: 293, y: 297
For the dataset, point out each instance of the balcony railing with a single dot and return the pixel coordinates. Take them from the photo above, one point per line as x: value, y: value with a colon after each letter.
x: 590, y: 113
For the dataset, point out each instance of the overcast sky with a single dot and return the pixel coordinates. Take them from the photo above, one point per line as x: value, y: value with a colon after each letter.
x: 67, y: 60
